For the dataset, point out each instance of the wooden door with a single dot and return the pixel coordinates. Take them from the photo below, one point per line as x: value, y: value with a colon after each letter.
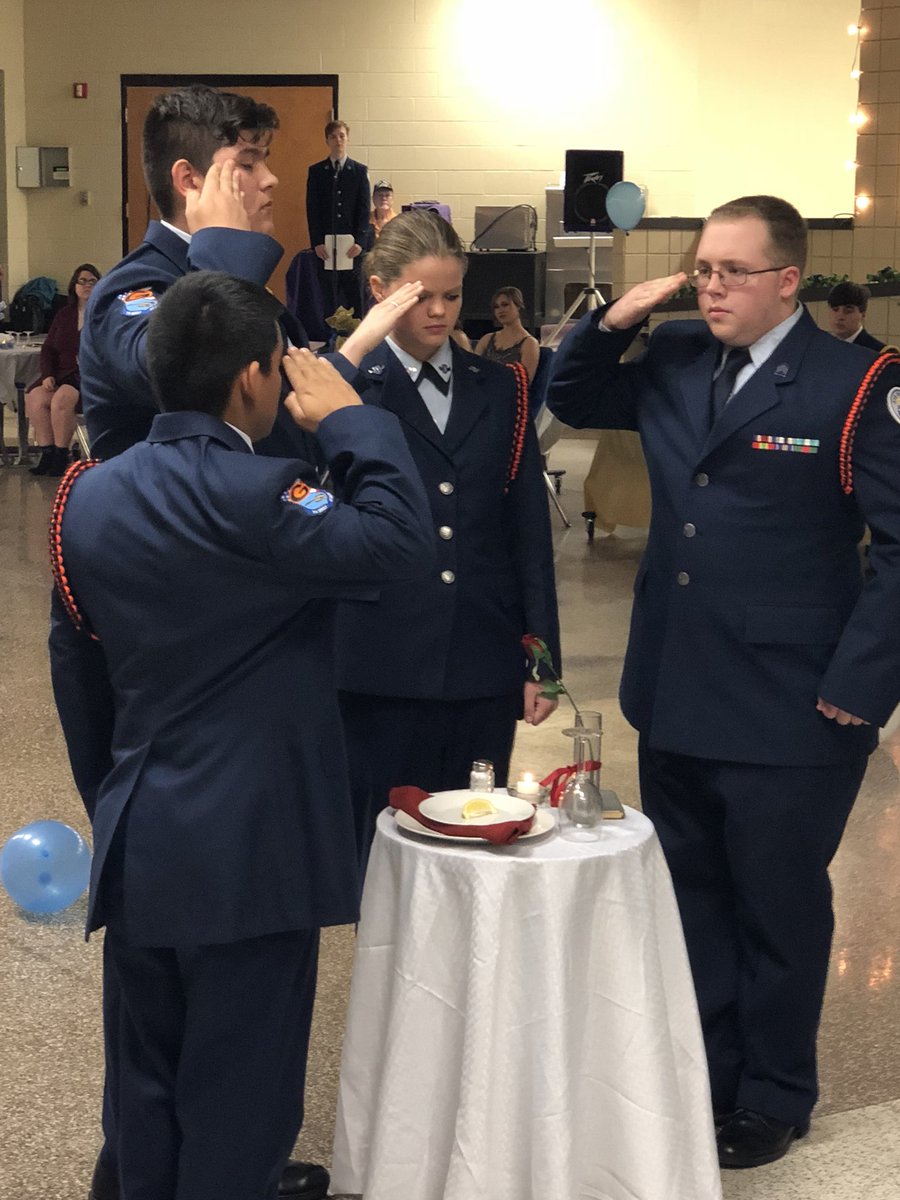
x: 304, y: 104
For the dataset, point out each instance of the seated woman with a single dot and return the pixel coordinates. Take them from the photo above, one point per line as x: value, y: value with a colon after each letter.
x: 432, y: 670
x: 52, y: 401
x: 513, y: 343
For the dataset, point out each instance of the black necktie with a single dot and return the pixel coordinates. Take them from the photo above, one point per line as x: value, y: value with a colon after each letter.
x: 723, y: 384
x: 434, y: 376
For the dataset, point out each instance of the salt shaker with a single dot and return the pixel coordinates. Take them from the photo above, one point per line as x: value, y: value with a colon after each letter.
x: 481, y: 776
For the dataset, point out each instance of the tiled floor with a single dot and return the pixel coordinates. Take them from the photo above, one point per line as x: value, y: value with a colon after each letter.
x: 50, y: 1061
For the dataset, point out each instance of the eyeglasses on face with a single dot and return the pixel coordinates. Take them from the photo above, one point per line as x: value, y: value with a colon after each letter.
x: 701, y: 277
x: 86, y: 281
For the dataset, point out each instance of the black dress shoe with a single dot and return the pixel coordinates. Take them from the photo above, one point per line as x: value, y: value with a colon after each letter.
x: 749, y: 1139
x: 303, y: 1181
x: 299, y: 1181
x: 104, y: 1184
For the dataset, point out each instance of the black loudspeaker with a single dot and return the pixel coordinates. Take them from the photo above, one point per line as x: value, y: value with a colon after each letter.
x: 589, y: 176
x: 494, y: 269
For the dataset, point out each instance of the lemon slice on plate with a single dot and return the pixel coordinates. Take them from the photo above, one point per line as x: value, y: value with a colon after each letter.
x: 477, y: 807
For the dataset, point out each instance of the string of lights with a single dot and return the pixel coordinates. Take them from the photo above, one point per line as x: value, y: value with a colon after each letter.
x: 859, y: 117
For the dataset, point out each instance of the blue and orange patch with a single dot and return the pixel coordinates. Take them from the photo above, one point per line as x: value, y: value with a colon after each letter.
x: 138, y: 302
x: 311, y: 499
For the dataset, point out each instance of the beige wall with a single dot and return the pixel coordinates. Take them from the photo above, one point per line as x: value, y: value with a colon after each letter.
x: 13, y: 206
x: 464, y: 101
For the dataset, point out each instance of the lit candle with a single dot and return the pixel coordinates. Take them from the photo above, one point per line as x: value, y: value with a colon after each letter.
x: 527, y: 785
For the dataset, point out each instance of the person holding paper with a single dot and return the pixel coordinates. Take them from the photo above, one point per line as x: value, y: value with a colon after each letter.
x: 337, y: 213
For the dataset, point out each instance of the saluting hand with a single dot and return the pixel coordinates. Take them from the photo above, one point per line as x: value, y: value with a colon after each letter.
x: 318, y: 389
x: 379, y: 321
x: 639, y: 301
x: 217, y: 202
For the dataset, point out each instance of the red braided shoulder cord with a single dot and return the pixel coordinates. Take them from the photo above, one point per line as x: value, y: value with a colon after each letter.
x: 515, y: 455
x: 848, y: 435
x: 57, y: 566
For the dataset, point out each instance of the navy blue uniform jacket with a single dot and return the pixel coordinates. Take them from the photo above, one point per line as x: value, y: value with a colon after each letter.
x: 118, y: 402
x: 432, y: 639
x: 349, y: 197
x: 213, y: 599
x: 749, y: 602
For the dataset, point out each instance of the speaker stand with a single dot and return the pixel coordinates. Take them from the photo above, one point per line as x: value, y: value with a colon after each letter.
x: 590, y: 294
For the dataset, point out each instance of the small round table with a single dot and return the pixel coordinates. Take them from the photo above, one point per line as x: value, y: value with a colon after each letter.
x: 522, y: 1026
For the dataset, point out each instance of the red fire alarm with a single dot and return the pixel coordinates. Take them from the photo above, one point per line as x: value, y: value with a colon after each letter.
x: 79, y: 91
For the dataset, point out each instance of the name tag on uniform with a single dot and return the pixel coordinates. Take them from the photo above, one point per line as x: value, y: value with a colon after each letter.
x: 768, y: 441
x: 310, y: 499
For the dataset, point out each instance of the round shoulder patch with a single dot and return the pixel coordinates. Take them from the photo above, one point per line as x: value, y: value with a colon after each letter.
x: 893, y: 403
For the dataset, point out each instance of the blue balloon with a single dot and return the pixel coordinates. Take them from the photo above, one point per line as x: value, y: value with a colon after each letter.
x: 45, y: 866
x: 625, y: 204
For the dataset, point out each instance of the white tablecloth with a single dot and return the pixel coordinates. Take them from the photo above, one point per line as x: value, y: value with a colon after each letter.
x: 22, y: 364
x: 522, y: 1026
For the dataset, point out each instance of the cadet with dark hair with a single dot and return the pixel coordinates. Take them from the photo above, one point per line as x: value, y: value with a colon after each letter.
x: 211, y: 876
x: 760, y: 661
x: 205, y: 157
x: 848, y: 303
x: 205, y: 160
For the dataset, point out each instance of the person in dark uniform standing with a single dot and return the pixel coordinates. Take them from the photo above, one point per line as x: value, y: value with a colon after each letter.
x: 760, y: 661
x: 337, y: 203
x: 847, y: 304
x: 205, y: 158
x: 433, y: 674
x: 212, y: 877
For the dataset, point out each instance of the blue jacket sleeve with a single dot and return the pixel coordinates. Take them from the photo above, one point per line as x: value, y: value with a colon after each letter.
x: 589, y: 387
x: 84, y: 701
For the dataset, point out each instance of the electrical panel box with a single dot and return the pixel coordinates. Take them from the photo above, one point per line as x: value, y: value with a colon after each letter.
x: 42, y: 166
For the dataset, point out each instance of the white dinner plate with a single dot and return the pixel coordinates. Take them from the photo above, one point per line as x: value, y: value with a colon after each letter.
x: 544, y: 821
x: 447, y: 807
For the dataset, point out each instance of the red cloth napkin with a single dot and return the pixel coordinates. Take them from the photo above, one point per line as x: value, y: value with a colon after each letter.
x: 408, y: 799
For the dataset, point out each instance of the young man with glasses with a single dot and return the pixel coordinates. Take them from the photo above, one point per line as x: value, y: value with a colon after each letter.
x: 760, y: 662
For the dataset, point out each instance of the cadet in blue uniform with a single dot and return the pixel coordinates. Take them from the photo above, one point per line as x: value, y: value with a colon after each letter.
x: 212, y: 877
x: 337, y: 201
x: 760, y: 661
x: 433, y: 674
x: 205, y: 157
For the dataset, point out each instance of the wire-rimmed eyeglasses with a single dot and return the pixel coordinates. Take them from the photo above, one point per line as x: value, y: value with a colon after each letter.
x: 701, y: 277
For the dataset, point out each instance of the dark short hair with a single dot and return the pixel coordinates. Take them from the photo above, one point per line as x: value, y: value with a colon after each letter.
x: 333, y: 125
x: 90, y: 268
x: 855, y: 294
x: 193, y: 123
x: 787, y: 229
x: 206, y: 328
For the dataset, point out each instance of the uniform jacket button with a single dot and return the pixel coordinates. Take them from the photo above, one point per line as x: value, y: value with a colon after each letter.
x: 683, y: 578
x: 448, y: 577
x: 446, y: 489
x: 689, y: 529
x: 446, y: 532
x: 701, y: 479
